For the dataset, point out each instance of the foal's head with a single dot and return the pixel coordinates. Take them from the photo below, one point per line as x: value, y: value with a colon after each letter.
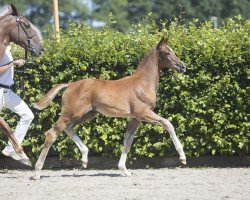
x: 24, y: 33
x: 167, y: 57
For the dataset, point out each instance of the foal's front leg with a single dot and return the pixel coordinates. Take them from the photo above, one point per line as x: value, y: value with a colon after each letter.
x: 150, y: 116
x: 132, y: 126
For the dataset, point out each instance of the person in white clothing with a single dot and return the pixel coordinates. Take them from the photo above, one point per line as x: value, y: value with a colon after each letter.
x: 12, y: 101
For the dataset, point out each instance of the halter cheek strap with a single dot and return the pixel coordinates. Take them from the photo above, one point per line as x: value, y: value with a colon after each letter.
x: 29, y: 47
x: 28, y: 37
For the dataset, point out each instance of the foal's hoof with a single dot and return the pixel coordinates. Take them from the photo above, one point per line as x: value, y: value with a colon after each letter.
x: 36, y: 176
x: 183, y: 161
x: 84, y: 164
x: 125, y: 172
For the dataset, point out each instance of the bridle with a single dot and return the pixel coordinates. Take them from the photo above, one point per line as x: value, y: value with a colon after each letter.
x: 30, y: 47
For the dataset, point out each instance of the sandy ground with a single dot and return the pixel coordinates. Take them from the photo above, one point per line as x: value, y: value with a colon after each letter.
x: 172, y: 184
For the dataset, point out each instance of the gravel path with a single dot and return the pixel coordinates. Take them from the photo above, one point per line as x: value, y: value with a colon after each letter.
x: 171, y: 184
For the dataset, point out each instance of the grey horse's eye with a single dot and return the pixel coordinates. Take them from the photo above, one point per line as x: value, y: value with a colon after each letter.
x: 27, y: 26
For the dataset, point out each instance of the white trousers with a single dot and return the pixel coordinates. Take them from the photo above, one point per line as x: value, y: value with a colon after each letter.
x: 13, y: 102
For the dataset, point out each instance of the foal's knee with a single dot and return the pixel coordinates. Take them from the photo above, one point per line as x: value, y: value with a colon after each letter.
x: 167, y: 124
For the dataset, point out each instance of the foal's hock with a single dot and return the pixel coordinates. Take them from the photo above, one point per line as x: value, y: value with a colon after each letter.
x: 133, y: 97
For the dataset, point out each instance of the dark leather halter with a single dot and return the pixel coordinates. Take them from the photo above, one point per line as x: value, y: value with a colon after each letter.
x: 28, y: 37
x: 30, y: 47
x: 20, y: 24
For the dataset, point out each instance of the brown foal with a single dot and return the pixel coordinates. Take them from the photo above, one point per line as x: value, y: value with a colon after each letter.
x: 132, y: 97
x: 16, y: 28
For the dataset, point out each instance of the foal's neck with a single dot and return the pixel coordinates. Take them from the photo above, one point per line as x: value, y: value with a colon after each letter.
x: 148, y: 70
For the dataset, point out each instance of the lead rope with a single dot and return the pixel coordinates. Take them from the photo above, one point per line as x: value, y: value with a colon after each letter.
x: 22, y: 74
x: 21, y: 71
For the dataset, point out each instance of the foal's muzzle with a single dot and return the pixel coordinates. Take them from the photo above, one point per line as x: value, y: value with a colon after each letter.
x: 181, y: 68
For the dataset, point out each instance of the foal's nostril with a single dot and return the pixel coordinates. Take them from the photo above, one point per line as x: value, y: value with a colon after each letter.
x: 42, y: 51
x: 182, y: 68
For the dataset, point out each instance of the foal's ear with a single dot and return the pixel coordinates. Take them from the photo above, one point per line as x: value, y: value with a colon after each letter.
x: 166, y: 40
x: 14, y: 10
x: 162, y: 41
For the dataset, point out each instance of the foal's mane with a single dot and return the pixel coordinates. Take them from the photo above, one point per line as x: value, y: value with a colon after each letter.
x: 146, y: 58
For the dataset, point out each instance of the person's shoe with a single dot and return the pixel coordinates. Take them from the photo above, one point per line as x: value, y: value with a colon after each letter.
x: 15, y: 156
x: 26, y: 161
x: 11, y: 154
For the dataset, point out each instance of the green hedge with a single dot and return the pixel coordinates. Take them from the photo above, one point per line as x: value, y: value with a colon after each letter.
x: 208, y: 105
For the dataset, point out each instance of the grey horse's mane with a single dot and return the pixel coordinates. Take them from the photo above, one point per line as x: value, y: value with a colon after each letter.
x: 4, y: 10
x: 37, y: 31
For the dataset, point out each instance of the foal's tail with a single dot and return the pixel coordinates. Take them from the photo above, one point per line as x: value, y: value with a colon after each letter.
x: 45, y: 101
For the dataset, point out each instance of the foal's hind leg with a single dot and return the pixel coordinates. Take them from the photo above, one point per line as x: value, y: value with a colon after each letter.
x: 51, y: 136
x: 150, y: 116
x: 132, y: 126
x: 83, y: 148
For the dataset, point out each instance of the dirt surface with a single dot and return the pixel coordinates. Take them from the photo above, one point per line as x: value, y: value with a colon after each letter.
x: 176, y: 183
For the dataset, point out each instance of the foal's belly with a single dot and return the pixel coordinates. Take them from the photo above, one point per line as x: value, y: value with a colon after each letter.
x: 112, y: 105
x: 114, y: 112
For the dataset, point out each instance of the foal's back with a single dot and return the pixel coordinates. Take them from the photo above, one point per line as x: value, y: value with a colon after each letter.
x: 126, y: 97
x: 110, y: 97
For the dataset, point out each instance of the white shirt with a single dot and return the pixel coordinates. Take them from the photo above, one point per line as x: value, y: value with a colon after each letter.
x: 7, y: 78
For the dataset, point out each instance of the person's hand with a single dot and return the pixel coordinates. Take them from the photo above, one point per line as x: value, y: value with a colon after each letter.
x: 19, y: 62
